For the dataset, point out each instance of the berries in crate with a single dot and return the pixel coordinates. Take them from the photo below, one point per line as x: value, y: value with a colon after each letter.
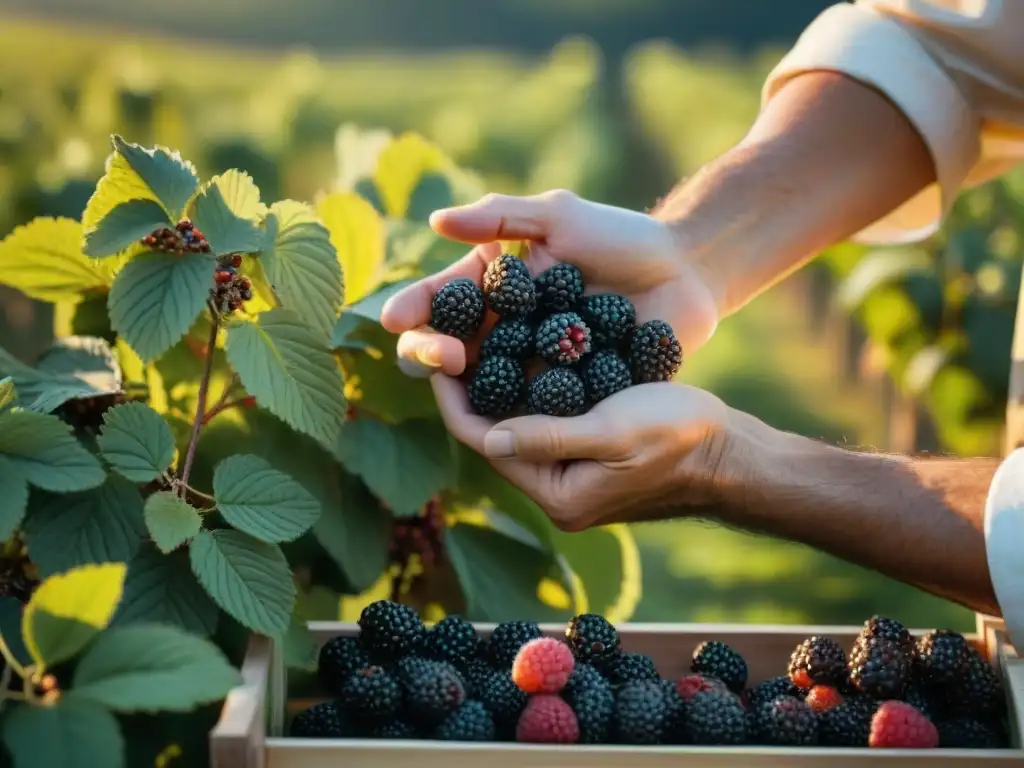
x: 391, y: 689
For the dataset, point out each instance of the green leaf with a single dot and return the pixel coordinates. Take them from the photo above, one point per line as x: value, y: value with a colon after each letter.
x: 880, y: 267
x: 104, y: 524
x: 157, y: 297
x: 355, y: 530
x: 225, y: 230
x: 171, y: 179
x: 153, y: 668
x: 371, y: 306
x: 74, y: 733
x: 400, y: 166
x: 301, y: 264
x: 299, y: 648
x: 607, y: 562
x: 43, y: 450
x: 136, y: 441
x: 14, y: 492
x: 163, y: 589
x: 247, y: 578
x: 171, y: 521
x: 8, y: 394
x: 433, y: 192
x: 405, y: 464
x: 357, y: 233
x: 241, y: 195
x: 287, y: 368
x: 66, y: 611
x: 257, y: 499
x: 43, y: 259
x: 124, y: 227
x: 74, y: 368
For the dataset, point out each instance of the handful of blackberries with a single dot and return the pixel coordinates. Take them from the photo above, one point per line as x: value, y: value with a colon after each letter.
x: 591, y: 344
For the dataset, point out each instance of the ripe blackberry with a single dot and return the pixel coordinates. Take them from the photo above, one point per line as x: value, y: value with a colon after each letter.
x: 390, y: 630
x: 967, y: 733
x: 787, y: 721
x: 395, y: 729
x: 940, y: 657
x: 591, y: 697
x: 509, y: 338
x: 470, y: 722
x: 432, y: 690
x: 978, y: 692
x: 716, y: 659
x: 508, y: 287
x: 507, y: 638
x: 689, y: 686
x: 817, y: 661
x: 408, y: 665
x: 924, y: 699
x: 716, y: 718
x: 611, y: 318
x: 559, y: 288
x: 371, y: 694
x: 477, y: 674
x: 591, y: 637
x: 887, y: 629
x: 879, y: 667
x: 675, y: 714
x: 655, y: 353
x: 641, y: 713
x: 849, y: 724
x: 769, y: 690
x: 503, y: 699
x: 562, y: 339
x: 604, y: 374
x: 497, y: 386
x: 339, y: 658
x: 457, y: 309
x: 452, y: 639
x: 556, y: 392
x: 321, y: 721
x: 628, y: 667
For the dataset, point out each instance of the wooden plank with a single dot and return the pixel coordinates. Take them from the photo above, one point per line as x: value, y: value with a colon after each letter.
x: 238, y: 739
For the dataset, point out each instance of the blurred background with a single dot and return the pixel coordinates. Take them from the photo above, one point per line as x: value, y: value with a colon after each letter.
x: 616, y: 99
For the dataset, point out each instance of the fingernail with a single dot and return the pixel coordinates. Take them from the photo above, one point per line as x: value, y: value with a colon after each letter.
x: 437, y: 215
x: 415, y: 370
x: 429, y: 355
x: 500, y: 444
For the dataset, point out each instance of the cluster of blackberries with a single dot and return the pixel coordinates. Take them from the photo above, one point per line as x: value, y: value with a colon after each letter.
x: 230, y: 288
x: 19, y: 577
x: 183, y: 238
x: 591, y: 343
x: 416, y: 541
x: 399, y: 679
x: 86, y: 414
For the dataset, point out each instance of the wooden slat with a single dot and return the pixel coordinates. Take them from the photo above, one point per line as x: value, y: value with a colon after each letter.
x: 238, y: 739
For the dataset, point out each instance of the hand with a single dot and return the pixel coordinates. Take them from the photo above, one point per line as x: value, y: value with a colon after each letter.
x: 616, y: 250
x: 645, y: 451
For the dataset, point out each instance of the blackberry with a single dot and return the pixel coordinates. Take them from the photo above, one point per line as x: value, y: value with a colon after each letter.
x: 591, y: 697
x: 654, y: 353
x: 457, y: 309
x: 321, y: 721
x: 562, y: 339
x: 508, y: 287
x: 503, y: 699
x: 675, y: 714
x: 628, y: 667
x: 395, y: 729
x: 390, y: 630
x: 978, y: 692
x: 371, y: 694
x: 452, y: 639
x: 641, y: 713
x: 940, y: 657
x: 559, y: 288
x: 470, y: 722
x: 716, y: 718
x: 509, y: 338
x: 787, y: 721
x: 497, y: 386
x: 591, y: 636
x: 887, y: 629
x: 879, y: 667
x: 507, y: 638
x: 817, y: 661
x: 477, y: 674
x: 556, y: 392
x: 923, y: 699
x: 716, y: 659
x: 611, y: 318
x: 967, y: 733
x: 604, y: 374
x: 769, y: 690
x: 339, y: 658
x: 433, y: 689
x: 847, y: 725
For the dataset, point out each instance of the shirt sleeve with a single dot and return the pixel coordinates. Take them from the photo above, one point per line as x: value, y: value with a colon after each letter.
x: 882, y: 51
x: 1004, y: 540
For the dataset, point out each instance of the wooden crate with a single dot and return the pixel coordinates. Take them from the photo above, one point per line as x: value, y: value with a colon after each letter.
x: 250, y: 733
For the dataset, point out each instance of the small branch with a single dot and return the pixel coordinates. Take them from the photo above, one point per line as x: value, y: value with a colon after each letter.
x: 222, y: 402
x: 204, y: 387
x: 12, y: 663
x: 199, y: 495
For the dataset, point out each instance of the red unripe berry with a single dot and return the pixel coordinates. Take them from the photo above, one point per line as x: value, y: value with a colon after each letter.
x: 548, y: 719
x: 236, y: 260
x: 822, y: 697
x: 565, y: 345
x: 223, y: 277
x: 248, y: 402
x: 577, y: 334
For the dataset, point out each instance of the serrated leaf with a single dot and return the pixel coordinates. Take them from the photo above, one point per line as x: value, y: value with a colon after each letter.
x: 66, y: 611
x: 14, y: 495
x: 156, y: 299
x: 241, y: 195
x: 400, y: 165
x: 404, y: 465
x: 105, y: 524
x: 607, y: 562
x: 43, y: 259
x: 74, y: 733
x: 357, y: 233
x: 263, y: 297
x: 225, y: 230
x: 171, y: 521
x: 247, y: 578
x: 257, y: 499
x: 287, y: 368
x: 136, y: 441
x: 88, y: 359
x: 8, y: 394
x: 124, y: 226
x: 153, y: 668
x: 171, y: 179
x: 163, y: 589
x: 300, y: 263
x: 355, y: 530
x: 43, y: 450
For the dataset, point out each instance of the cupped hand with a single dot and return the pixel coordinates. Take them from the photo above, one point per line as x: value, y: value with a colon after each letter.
x: 616, y: 250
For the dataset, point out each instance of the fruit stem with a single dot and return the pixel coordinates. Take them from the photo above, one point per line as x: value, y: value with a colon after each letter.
x: 222, y: 403
x: 204, y: 388
x: 12, y: 663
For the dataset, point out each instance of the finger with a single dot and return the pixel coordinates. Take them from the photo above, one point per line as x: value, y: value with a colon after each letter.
x: 546, y: 439
x: 503, y: 217
x: 433, y: 350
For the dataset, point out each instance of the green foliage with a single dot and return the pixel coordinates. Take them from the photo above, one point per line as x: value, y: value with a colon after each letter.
x: 136, y: 442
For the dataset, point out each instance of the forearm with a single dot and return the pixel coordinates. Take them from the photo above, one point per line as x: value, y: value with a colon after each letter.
x: 826, y: 158
x: 917, y: 520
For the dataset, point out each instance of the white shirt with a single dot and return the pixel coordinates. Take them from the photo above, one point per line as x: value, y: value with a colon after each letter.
x: 956, y: 70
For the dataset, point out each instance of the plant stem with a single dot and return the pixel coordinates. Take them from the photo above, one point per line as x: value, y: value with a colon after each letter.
x: 12, y: 662
x: 204, y: 387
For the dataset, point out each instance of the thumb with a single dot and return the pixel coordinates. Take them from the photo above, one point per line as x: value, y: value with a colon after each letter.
x: 544, y: 439
x: 504, y: 217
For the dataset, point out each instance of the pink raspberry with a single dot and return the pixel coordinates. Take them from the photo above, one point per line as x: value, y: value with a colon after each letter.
x: 542, y: 665
x: 897, y: 724
x: 547, y: 719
